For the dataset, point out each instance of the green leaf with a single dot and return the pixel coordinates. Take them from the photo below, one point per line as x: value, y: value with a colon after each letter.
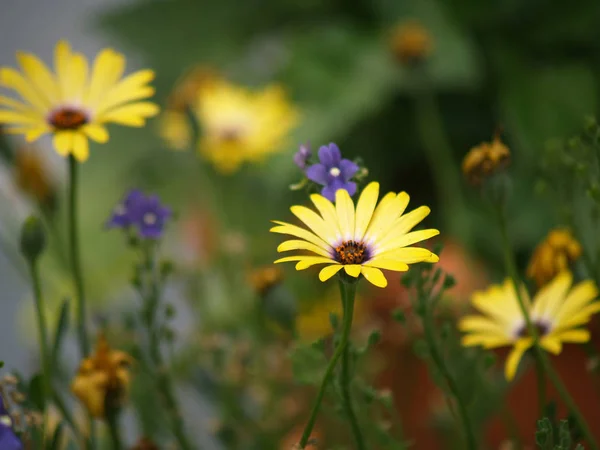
x: 57, y: 438
x: 544, y: 438
x: 36, y: 394
x: 62, y: 327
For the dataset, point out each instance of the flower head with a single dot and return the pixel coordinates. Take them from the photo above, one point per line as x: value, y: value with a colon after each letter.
x: 333, y: 172
x: 485, y: 160
x: 239, y: 125
x: 558, y: 312
x: 411, y: 42
x: 553, y: 255
x: 32, y: 176
x: 360, y: 240
x: 302, y: 156
x: 103, y: 379
x: 263, y: 279
x: 74, y: 104
x: 145, y: 213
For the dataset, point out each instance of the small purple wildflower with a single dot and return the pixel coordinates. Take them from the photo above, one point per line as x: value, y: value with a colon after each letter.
x: 8, y: 438
x: 333, y: 172
x: 143, y: 212
x: 302, y: 156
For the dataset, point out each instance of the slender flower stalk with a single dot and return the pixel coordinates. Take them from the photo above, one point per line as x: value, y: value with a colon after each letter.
x: 542, y: 361
x: 43, y: 337
x: 82, y: 334
x: 164, y: 383
x: 439, y: 361
x: 341, y: 347
x: 348, y: 293
x: 112, y: 422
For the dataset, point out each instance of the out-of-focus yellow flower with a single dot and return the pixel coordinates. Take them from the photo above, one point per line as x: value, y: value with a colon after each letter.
x: 411, y: 42
x: 558, y: 311
x: 313, y: 322
x: 553, y: 255
x: 484, y: 160
x: 238, y: 125
x: 32, y: 176
x: 75, y: 103
x: 264, y: 278
x: 174, y: 124
x: 103, y: 379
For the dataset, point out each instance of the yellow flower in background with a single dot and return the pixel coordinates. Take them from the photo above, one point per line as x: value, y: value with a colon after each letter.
x: 76, y: 102
x: 558, y: 311
x: 262, y: 279
x: 174, y: 124
x: 103, y: 379
x: 32, y: 176
x: 553, y: 255
x: 239, y: 126
x: 360, y: 240
x: 484, y: 160
x: 411, y: 42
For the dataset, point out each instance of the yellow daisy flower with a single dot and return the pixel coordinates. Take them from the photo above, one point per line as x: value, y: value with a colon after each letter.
x: 558, y: 311
x: 238, y: 125
x: 74, y: 104
x: 360, y: 240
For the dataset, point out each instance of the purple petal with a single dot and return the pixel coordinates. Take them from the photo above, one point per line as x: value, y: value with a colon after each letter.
x: 318, y: 173
x: 329, y: 191
x: 133, y: 197
x: 350, y: 187
x: 348, y: 169
x: 8, y: 439
x: 330, y: 155
x: 302, y: 155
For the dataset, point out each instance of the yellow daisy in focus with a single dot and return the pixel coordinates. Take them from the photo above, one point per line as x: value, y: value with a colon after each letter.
x: 74, y: 103
x: 558, y: 311
x: 360, y: 240
x: 238, y: 125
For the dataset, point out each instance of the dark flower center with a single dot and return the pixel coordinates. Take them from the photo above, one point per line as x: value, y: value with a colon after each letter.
x: 68, y: 119
x: 542, y: 329
x: 231, y: 134
x: 351, y: 252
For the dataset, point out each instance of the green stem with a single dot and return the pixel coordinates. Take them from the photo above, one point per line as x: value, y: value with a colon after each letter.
x: 348, y: 293
x: 440, y: 362
x: 75, y: 259
x: 43, y: 337
x: 446, y: 172
x: 84, y: 343
x: 542, y: 362
x: 68, y: 417
x: 112, y: 422
x: 346, y: 327
x: 164, y: 382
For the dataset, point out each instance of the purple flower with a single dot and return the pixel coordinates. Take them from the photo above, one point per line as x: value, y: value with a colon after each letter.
x: 8, y: 438
x: 302, y: 156
x: 333, y: 172
x: 145, y: 213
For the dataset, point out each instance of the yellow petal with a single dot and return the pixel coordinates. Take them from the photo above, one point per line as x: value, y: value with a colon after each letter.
x: 388, y: 210
x: 353, y: 270
x: 35, y: 133
x: 345, y: 213
x: 581, y: 295
x: 387, y: 264
x: 406, y: 239
x: 63, y: 142
x: 81, y: 146
x: 302, y: 245
x: 316, y: 224
x: 11, y: 117
x: 39, y: 76
x: 550, y: 297
x: 62, y: 66
x: 408, y: 221
x: 78, y: 77
x: 107, y: 69
x: 293, y: 230
x: 365, y: 208
x: 327, y: 272
x: 96, y: 132
x: 409, y: 255
x: 483, y: 324
x: 327, y: 211
x: 132, y: 115
x: 132, y: 87
x: 574, y: 336
x: 12, y: 79
x: 374, y: 276
x: 581, y: 317
x: 551, y: 344
x: 485, y: 340
x: 309, y: 261
x: 514, y: 357
x: 14, y: 104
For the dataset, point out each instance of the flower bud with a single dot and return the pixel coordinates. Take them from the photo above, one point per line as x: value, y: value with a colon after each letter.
x: 33, y: 238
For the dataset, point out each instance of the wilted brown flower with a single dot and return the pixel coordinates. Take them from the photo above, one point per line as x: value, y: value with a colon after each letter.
x: 32, y: 177
x: 145, y: 444
x: 264, y: 278
x: 411, y: 42
x: 553, y: 255
x: 103, y: 379
x: 484, y: 160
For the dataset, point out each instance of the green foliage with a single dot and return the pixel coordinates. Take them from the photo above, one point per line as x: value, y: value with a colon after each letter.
x: 549, y: 436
